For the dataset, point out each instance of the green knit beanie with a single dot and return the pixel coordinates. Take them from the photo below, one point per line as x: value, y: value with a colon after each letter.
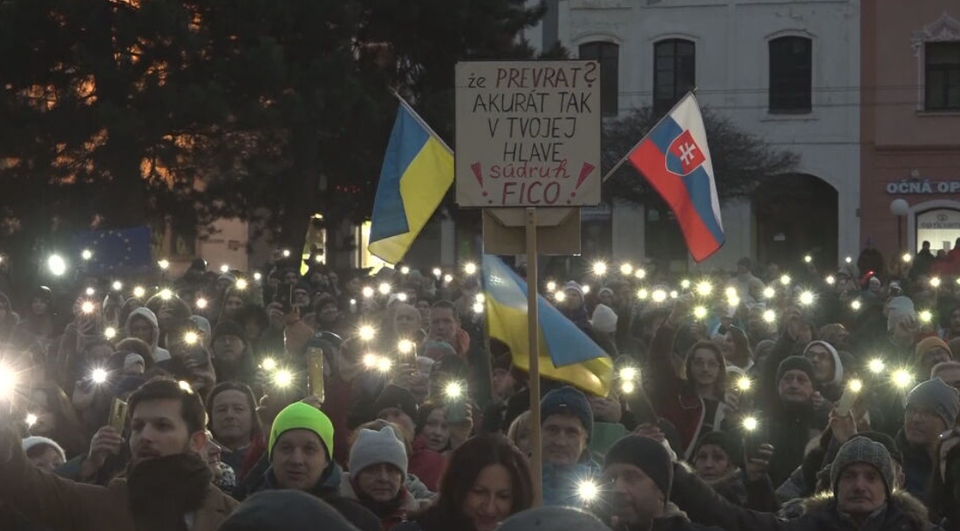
x: 300, y: 416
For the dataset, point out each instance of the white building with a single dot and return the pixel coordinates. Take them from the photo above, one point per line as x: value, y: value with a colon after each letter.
x: 786, y: 71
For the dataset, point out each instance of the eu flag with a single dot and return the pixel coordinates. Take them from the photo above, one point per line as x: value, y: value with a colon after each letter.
x: 116, y: 251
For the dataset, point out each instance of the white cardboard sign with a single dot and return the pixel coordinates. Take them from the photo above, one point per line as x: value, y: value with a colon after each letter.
x: 528, y: 134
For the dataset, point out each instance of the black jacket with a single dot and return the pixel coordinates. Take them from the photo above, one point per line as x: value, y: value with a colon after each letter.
x: 902, y: 513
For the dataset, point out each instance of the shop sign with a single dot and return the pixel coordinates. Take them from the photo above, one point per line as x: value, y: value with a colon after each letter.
x: 922, y: 187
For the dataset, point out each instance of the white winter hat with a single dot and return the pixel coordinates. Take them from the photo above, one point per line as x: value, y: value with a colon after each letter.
x: 604, y: 319
x: 34, y: 441
x: 373, y: 447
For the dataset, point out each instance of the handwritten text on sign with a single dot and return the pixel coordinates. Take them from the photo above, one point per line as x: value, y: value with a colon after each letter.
x: 528, y: 133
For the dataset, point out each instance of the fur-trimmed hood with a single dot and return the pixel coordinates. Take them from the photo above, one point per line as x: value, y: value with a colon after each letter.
x: 900, y: 505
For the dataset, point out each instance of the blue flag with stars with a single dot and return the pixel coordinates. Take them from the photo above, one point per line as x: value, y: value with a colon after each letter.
x: 117, y: 251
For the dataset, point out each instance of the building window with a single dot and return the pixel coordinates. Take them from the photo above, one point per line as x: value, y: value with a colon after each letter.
x: 942, y: 74
x: 791, y: 82
x: 608, y: 55
x: 674, y: 72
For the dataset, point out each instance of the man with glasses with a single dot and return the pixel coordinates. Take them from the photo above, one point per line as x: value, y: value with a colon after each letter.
x: 932, y: 408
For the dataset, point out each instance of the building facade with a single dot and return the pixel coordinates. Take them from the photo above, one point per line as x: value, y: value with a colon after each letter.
x: 785, y: 71
x: 910, y: 158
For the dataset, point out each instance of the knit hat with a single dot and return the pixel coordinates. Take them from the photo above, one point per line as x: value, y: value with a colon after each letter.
x: 398, y: 397
x: 553, y: 519
x: 863, y: 450
x: 300, y: 416
x: 605, y: 290
x: 131, y: 359
x: 898, y: 309
x: 569, y: 401
x: 34, y: 441
x: 574, y: 287
x: 798, y: 363
x: 440, y: 348
x: 451, y: 364
x: 930, y: 343
x: 938, y: 396
x: 647, y: 455
x: 373, y: 447
x: 229, y: 328
x: 285, y: 510
x: 604, y: 319
x: 727, y: 441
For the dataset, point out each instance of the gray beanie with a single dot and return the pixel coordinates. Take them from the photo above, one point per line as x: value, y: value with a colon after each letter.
x: 35, y: 440
x: 863, y: 450
x: 938, y: 396
x: 374, y: 447
x: 553, y: 519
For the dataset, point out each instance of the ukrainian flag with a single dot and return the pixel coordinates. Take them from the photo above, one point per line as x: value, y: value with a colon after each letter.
x: 566, y: 353
x: 417, y: 172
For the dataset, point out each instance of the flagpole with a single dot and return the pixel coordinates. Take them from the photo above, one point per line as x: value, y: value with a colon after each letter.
x: 664, y: 117
x: 420, y: 120
x: 533, y: 337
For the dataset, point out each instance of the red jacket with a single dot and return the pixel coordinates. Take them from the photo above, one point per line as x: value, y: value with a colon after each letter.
x: 426, y: 464
x: 671, y: 398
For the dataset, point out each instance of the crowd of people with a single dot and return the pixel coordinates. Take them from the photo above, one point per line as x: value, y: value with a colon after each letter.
x: 302, y: 397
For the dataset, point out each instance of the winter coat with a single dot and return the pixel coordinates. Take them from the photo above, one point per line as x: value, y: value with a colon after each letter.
x: 901, y: 513
x: 674, y: 519
x: 426, y: 464
x: 560, y: 482
x: 64, y: 505
x: 789, y: 430
x: 407, y: 505
x: 159, y: 354
x: 740, y: 491
x: 917, y: 467
x: 11, y: 520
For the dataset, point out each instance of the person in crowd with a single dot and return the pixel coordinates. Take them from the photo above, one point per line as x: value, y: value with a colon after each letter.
x: 719, y: 460
x: 487, y: 481
x: 574, y: 307
x: 168, y: 485
x: 44, y: 454
x: 378, y: 467
x: 932, y: 408
x: 445, y: 326
x: 519, y: 433
x: 224, y: 476
x: 952, y: 329
x: 232, y: 358
x: 233, y: 421
x: 397, y: 405
x: 749, y: 287
x: 639, y: 472
x: 922, y: 262
x: 286, y: 510
x: 607, y: 426
x: 554, y: 519
x: 41, y: 321
x: 792, y: 421
x: 604, y: 325
x: 949, y: 372
x: 255, y: 322
x: 300, y: 456
x: 930, y: 352
x: 142, y: 324
x: 827, y: 369
x: 566, y: 428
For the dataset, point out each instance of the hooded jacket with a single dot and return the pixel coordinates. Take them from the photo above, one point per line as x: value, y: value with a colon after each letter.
x: 902, y: 512
x: 159, y: 354
x: 831, y: 390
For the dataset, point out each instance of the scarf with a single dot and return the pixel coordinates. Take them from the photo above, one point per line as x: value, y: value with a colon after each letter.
x: 163, y: 490
x: 383, y: 510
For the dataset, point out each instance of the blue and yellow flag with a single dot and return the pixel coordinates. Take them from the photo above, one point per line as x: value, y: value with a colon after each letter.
x: 417, y: 172
x: 566, y: 353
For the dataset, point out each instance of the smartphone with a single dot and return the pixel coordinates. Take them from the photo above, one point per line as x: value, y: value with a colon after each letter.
x: 456, y: 411
x: 315, y: 372
x: 198, y: 355
x: 118, y: 415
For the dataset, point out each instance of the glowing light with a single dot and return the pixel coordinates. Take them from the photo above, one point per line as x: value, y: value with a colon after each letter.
x: 224, y: 268
x: 848, y: 260
x: 855, y: 385
x: 599, y: 268
x: 87, y: 254
x: 586, y: 289
x: 87, y: 307
x: 730, y: 292
x: 559, y: 296
x: 769, y: 316
x: 626, y: 269
x: 733, y: 301
x: 139, y: 292
x: 643, y: 294
x: 750, y: 423
x: 448, y: 278
x: 283, y: 378
x: 901, y: 378
x: 367, y: 332
x: 117, y: 285
x: 286, y: 253
x: 628, y: 387
x: 90, y: 292
x: 269, y: 364
x: 769, y: 292
x: 257, y: 276
x: 402, y: 297
x: 453, y: 390
x: 164, y: 264
x: 241, y: 284
x: 480, y: 297
x: 437, y: 272
x: 202, y: 303
x: 785, y: 280
x: 551, y: 286
x: 191, y: 338
x: 629, y: 374
x: 674, y: 294
x: 470, y: 268
x: 384, y: 364
x: 806, y: 298
x: 704, y: 288
x: 98, y: 376
x: 808, y: 259
x: 907, y: 257
x: 588, y: 491
x: 659, y: 295
x: 405, y: 270
x: 935, y: 282
x: 367, y: 292
x: 31, y: 420
x: 318, y: 259
x: 8, y: 382
x: 831, y: 279
x: 371, y: 361
x: 640, y: 273
x: 185, y: 386
x: 744, y: 383
x: 855, y: 305
x: 57, y: 265
x: 925, y: 316
x: 166, y: 294
x: 685, y: 284
x: 478, y: 307
x: 700, y: 312
x: 405, y: 346
x: 109, y: 332
x: 876, y: 366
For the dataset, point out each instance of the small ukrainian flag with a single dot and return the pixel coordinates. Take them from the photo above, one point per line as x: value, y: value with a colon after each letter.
x: 417, y: 172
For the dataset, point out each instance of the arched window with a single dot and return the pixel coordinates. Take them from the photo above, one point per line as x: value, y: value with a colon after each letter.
x: 608, y: 55
x: 791, y: 82
x: 674, y: 72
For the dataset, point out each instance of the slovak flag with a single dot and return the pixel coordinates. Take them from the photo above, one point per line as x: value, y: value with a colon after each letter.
x: 675, y: 159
